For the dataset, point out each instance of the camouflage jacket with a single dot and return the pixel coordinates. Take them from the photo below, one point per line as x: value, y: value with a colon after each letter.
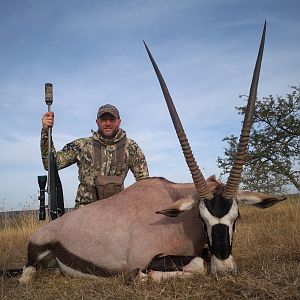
x: 80, y: 152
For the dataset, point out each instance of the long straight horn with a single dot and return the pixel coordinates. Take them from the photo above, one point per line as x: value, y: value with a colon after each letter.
x: 199, y: 181
x: 233, y: 181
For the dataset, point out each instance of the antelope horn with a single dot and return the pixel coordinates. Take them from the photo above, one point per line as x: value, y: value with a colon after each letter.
x: 233, y: 181
x: 199, y: 181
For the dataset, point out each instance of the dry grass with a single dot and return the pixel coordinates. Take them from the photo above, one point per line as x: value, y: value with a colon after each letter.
x: 266, y: 249
x: 14, y: 234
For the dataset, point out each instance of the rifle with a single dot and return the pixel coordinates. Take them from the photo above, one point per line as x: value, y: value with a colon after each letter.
x: 54, y: 187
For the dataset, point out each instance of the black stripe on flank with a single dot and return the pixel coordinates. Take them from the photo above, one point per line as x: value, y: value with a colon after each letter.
x: 67, y: 258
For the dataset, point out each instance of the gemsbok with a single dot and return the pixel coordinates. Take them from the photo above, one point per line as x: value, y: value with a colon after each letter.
x: 154, y: 228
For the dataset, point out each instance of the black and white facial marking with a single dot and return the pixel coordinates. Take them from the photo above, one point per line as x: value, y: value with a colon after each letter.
x: 219, y: 216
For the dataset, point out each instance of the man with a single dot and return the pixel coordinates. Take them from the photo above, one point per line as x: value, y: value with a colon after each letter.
x: 103, y: 159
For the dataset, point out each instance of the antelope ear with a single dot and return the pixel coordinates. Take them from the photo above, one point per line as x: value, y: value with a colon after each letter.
x: 260, y: 200
x: 179, y: 207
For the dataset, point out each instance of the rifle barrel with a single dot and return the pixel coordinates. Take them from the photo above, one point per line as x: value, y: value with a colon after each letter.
x: 49, y: 101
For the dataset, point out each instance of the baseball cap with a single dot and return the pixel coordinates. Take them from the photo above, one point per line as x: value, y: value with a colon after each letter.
x: 108, y: 108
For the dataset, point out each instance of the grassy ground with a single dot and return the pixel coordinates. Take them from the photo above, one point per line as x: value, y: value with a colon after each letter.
x: 266, y: 249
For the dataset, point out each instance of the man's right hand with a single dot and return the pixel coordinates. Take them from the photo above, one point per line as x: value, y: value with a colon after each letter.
x: 48, y: 120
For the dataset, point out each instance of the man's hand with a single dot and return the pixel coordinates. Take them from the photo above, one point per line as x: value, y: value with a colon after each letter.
x: 48, y: 120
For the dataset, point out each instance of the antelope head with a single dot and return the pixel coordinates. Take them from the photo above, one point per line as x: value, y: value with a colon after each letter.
x: 219, y: 208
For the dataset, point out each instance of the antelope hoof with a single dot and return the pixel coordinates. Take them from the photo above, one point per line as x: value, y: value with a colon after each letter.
x: 27, y: 275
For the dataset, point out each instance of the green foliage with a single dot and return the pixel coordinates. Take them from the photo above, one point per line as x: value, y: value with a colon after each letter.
x: 273, y: 159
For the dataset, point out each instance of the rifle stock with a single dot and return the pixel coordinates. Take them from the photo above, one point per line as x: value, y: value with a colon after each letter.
x: 56, y: 197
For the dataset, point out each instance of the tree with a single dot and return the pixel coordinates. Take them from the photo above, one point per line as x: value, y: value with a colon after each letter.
x: 273, y: 160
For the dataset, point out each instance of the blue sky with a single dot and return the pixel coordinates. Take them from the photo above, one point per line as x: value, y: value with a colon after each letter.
x: 92, y: 52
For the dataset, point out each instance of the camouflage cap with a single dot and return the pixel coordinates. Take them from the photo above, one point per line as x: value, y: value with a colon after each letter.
x: 108, y: 108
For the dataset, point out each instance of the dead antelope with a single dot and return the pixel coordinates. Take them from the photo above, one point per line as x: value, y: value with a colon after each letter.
x: 122, y: 234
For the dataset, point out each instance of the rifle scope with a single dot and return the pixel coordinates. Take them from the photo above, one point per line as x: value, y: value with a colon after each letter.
x: 42, y: 180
